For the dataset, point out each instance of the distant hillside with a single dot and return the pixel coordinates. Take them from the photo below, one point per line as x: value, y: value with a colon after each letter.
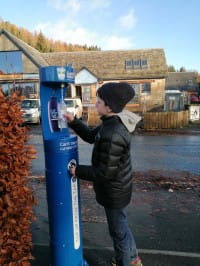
x: 41, y: 43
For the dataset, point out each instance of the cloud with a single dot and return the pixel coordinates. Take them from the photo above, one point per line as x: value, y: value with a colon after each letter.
x: 116, y: 43
x: 63, y: 5
x: 96, y: 4
x: 129, y: 20
x: 74, y: 5
x: 76, y: 34
x: 68, y: 32
x: 77, y: 5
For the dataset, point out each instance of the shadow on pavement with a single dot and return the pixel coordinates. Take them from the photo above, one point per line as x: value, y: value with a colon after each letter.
x: 102, y: 258
x: 163, y: 215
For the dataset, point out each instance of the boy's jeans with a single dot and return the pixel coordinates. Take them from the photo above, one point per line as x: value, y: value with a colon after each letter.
x: 124, y: 243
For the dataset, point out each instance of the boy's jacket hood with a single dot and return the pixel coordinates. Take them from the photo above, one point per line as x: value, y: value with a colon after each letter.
x: 129, y: 119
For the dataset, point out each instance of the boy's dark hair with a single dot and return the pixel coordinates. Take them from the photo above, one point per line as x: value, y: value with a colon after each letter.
x: 116, y: 95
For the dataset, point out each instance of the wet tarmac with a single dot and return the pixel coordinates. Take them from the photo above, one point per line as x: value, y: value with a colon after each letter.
x: 166, y: 152
x: 165, y: 225
x: 164, y: 219
x: 179, y: 152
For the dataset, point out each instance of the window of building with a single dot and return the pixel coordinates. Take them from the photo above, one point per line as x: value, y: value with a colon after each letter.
x: 29, y: 90
x: 7, y: 88
x: 136, y: 89
x: 11, y: 62
x: 87, y: 94
x: 190, y: 82
x: 144, y: 63
x: 79, y: 91
x: 68, y: 92
x: 146, y: 88
x: 136, y: 64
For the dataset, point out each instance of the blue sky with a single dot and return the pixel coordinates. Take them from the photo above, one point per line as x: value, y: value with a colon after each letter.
x: 116, y: 24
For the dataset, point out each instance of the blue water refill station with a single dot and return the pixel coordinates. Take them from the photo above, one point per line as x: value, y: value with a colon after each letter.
x: 61, y: 151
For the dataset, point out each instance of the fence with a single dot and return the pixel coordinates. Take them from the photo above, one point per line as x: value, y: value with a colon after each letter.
x: 93, y: 118
x: 152, y: 120
x: 162, y: 120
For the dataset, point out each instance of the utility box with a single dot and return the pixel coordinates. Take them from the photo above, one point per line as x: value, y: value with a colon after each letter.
x: 173, y: 101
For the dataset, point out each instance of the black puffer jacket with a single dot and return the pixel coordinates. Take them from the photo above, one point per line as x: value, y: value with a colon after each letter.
x: 111, y: 170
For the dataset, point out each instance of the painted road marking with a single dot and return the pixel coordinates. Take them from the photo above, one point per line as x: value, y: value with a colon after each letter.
x: 142, y: 251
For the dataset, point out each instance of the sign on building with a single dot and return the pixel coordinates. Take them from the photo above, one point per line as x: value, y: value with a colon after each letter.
x: 194, y: 112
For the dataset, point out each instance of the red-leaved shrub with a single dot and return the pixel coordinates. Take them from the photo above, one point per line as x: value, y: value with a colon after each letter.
x: 16, y: 198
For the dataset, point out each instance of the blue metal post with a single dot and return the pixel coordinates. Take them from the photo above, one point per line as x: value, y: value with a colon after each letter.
x: 60, y: 149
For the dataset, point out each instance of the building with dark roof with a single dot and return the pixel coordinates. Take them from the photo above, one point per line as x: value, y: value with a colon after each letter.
x: 183, y: 81
x: 145, y: 70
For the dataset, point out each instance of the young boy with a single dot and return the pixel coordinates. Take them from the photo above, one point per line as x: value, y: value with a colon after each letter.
x: 111, y: 170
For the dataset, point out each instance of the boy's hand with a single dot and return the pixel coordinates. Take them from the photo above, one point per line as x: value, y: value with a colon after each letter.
x: 69, y: 117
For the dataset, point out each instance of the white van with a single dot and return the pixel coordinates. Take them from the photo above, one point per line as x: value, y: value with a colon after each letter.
x: 74, y: 105
x: 31, y: 111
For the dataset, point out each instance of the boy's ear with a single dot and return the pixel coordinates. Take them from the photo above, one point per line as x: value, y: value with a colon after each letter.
x: 108, y: 109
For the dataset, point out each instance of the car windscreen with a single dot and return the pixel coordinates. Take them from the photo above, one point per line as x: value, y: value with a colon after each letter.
x: 29, y: 104
x: 69, y: 103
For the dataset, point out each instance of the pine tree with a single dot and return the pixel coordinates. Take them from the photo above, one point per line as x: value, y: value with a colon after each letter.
x: 41, y: 43
x: 171, y: 68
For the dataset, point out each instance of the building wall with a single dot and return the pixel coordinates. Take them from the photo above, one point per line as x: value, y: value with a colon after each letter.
x: 184, y: 81
x: 147, y: 102
x: 7, y: 45
x: 156, y: 99
x: 28, y: 66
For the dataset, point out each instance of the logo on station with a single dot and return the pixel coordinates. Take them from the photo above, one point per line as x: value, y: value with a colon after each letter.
x: 71, y: 164
x: 61, y: 72
x: 53, y: 114
x: 70, y: 72
x: 74, y: 179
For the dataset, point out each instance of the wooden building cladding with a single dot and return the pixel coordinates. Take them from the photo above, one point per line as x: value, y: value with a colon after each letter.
x: 150, y: 94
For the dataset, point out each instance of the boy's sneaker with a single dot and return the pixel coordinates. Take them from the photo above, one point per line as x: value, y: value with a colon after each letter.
x: 136, y: 262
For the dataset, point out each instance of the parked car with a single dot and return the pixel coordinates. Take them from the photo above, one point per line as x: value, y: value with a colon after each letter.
x: 31, y: 111
x: 195, y: 99
x: 74, y: 105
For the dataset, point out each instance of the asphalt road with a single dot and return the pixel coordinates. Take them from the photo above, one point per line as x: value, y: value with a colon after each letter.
x: 164, y: 152
x: 165, y: 223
